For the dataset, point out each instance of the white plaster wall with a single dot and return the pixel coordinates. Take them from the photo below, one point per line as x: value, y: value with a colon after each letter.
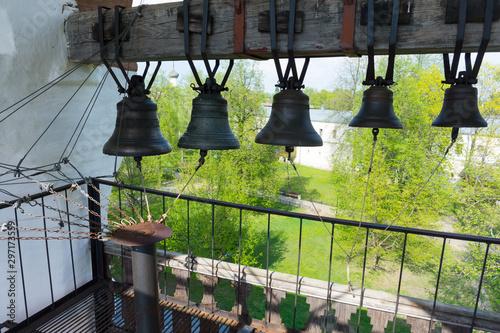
x: 322, y: 157
x: 32, y: 53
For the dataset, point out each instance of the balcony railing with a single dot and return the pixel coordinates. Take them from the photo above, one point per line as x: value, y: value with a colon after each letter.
x: 333, y: 306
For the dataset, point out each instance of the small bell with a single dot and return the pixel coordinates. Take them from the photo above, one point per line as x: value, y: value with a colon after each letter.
x: 289, y: 123
x: 209, y: 128
x: 376, y: 110
x: 137, y: 130
x: 460, y: 108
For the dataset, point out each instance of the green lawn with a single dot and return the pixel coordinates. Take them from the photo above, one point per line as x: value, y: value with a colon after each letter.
x: 314, y: 248
x: 317, y: 182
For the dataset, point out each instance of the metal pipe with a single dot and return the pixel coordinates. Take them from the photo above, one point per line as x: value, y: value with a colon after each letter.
x: 146, y: 294
x: 331, y: 220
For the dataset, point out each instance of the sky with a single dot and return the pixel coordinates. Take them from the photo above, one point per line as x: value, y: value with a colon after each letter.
x: 322, y: 73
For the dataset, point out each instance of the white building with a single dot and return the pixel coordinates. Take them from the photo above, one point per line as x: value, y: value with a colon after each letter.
x: 331, y: 126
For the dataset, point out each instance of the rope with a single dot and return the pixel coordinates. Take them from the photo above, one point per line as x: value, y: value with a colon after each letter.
x: 139, y: 166
x: 133, y: 206
x: 375, y: 132
x: 411, y: 201
x: 350, y: 257
x: 314, y: 206
x: 201, y: 161
x: 89, y: 108
x: 110, y: 202
x: 75, y: 185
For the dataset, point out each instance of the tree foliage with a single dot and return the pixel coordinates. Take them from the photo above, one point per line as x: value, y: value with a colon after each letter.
x: 242, y: 175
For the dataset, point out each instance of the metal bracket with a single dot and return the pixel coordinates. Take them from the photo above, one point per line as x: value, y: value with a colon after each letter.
x: 195, y: 22
x: 348, y: 26
x: 239, y: 27
x: 109, y: 28
x: 475, y: 11
x: 383, y: 12
x: 282, y: 18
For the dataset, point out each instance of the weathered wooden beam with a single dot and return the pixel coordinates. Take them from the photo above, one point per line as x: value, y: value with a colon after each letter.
x: 155, y: 36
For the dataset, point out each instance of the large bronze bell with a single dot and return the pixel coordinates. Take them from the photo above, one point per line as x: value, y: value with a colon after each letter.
x: 289, y: 123
x: 377, y: 110
x: 460, y: 108
x: 137, y: 131
x: 209, y: 128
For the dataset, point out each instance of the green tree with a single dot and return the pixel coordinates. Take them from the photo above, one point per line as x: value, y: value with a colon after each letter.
x: 477, y: 207
x: 403, y: 161
x: 244, y: 175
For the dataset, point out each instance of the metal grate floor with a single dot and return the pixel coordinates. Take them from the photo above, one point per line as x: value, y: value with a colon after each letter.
x: 110, y: 308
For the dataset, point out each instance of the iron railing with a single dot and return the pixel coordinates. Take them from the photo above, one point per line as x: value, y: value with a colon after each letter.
x: 330, y: 292
x: 398, y: 234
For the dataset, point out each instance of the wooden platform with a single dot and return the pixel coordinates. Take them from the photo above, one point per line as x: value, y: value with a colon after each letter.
x: 110, y: 308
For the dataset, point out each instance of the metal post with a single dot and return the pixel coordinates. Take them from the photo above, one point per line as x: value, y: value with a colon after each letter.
x: 147, y: 318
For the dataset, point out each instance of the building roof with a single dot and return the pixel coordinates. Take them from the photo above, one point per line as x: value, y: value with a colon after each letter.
x: 330, y: 116
x: 173, y: 73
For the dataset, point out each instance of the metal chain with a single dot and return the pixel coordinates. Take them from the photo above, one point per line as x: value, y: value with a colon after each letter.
x: 110, y: 202
x: 92, y: 234
x: 48, y: 238
x: 85, y: 208
x: 49, y: 188
x: 57, y: 220
x: 133, y: 206
x: 68, y: 213
x: 75, y: 185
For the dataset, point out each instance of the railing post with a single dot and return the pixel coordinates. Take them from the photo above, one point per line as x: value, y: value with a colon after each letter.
x: 379, y: 320
x: 316, y: 321
x: 96, y: 248
x: 419, y: 325
x: 181, y: 292
x: 208, y: 283
x: 343, y: 314
x: 274, y: 298
x: 181, y: 277
x: 146, y: 293
x: 240, y: 306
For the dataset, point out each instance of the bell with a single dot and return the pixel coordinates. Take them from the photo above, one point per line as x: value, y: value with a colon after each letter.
x: 137, y: 130
x: 289, y: 123
x: 209, y: 128
x: 460, y: 108
x: 376, y: 110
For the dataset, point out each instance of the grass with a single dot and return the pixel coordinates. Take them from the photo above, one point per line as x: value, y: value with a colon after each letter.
x: 317, y: 182
x: 314, y: 259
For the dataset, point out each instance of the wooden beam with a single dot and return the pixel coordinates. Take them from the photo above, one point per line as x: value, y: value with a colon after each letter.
x: 155, y: 37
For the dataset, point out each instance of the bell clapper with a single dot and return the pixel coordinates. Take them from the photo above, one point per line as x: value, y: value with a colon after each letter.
x: 138, y: 160
x: 375, y: 132
x: 289, y: 150
x: 201, y: 160
x: 454, y: 134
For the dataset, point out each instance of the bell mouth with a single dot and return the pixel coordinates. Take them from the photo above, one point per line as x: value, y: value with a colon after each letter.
x: 208, y: 128
x: 377, y: 110
x: 289, y: 123
x: 460, y: 108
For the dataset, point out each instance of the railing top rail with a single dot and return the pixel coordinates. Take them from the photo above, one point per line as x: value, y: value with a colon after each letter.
x: 331, y: 220
x: 41, y: 194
